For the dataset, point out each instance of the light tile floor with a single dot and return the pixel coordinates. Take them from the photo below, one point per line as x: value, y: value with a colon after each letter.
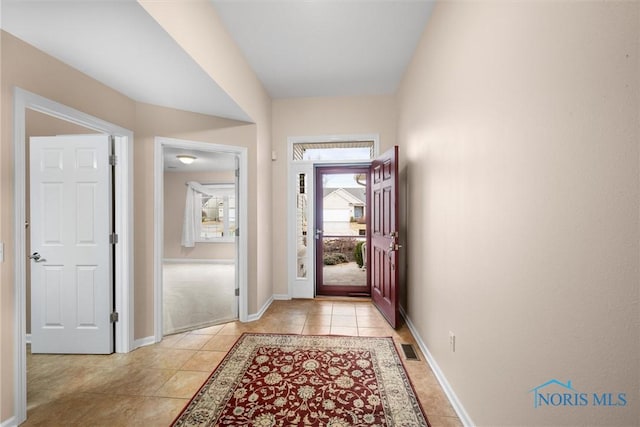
x: 151, y: 385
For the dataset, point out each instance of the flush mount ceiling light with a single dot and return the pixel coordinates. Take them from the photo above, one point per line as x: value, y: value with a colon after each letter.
x: 185, y: 158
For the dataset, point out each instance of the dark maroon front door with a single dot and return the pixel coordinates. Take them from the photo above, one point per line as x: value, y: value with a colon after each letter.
x: 385, y: 278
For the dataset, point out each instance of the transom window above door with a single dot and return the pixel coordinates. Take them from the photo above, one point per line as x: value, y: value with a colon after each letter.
x: 337, y: 151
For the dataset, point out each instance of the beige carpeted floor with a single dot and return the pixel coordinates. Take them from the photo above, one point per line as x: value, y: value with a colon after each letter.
x: 197, y: 295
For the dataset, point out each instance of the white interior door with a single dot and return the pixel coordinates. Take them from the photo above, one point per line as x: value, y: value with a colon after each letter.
x: 71, y: 278
x: 236, y: 240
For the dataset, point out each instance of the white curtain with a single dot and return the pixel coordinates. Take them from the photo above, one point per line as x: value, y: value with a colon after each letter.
x: 189, y: 228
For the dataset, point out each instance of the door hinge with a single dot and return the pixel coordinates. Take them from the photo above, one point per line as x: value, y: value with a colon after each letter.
x: 237, y: 292
x: 113, y: 317
x: 237, y: 233
x: 113, y: 159
x: 113, y: 238
x: 237, y: 173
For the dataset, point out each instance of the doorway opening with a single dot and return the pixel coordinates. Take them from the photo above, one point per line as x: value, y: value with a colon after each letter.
x: 199, y: 253
x: 200, y: 246
x: 26, y: 103
x: 307, y: 155
x: 382, y: 234
x: 341, y: 237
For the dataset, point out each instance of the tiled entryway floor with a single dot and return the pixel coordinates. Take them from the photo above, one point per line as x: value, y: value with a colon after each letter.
x: 151, y: 385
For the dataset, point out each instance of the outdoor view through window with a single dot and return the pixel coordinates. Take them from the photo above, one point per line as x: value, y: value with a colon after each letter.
x: 344, y: 229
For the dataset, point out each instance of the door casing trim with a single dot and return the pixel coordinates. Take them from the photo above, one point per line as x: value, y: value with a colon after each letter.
x: 298, y: 287
x: 123, y: 190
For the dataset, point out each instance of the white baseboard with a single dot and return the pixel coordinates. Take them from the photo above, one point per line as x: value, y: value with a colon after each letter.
x: 465, y: 419
x: 281, y: 297
x: 10, y: 422
x: 144, y: 342
x: 197, y: 261
x: 263, y: 309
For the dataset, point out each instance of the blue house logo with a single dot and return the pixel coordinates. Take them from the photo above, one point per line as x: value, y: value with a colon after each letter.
x: 554, y: 393
x: 563, y: 395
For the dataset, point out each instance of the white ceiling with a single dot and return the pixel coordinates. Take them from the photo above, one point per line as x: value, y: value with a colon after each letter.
x: 117, y: 43
x: 326, y: 47
x: 206, y: 161
x: 297, y: 48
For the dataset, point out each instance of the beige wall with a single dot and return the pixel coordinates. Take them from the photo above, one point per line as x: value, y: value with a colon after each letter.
x: 39, y: 124
x: 196, y: 27
x: 519, y: 124
x: 175, y: 192
x: 314, y: 117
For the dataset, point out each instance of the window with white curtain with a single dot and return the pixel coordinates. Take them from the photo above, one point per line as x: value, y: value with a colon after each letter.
x: 215, y: 213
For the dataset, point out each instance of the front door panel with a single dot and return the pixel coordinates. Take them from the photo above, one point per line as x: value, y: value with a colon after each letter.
x: 383, y: 176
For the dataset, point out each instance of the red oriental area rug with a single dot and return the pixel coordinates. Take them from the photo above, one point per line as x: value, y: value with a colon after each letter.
x: 297, y: 380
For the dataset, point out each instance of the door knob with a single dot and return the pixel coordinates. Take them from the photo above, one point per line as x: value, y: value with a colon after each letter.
x: 392, y: 248
x: 37, y: 257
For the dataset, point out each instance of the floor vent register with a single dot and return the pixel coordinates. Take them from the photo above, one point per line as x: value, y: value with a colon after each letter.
x: 409, y: 352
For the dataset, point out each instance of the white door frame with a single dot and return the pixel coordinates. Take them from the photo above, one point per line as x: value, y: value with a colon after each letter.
x: 306, y: 287
x: 241, y: 217
x: 23, y: 100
